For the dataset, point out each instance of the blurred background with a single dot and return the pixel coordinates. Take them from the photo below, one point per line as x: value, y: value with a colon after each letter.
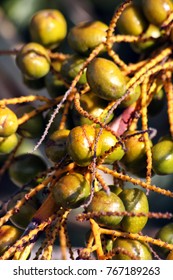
x: 14, y: 19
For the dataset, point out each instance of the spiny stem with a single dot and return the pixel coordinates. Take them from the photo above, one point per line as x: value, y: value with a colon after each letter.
x: 144, y: 90
x: 135, y: 181
x: 90, y: 215
x: 23, y: 99
x: 58, y: 107
x: 136, y: 236
x: 169, y: 94
x: 96, y: 233
x: 38, y: 110
x: 110, y: 32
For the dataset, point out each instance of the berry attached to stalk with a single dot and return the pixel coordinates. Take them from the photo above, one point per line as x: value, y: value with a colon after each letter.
x: 55, y: 147
x: 8, y: 122
x: 166, y: 235
x: 33, y: 127
x: 7, y: 144
x: 25, y: 168
x: 33, y: 60
x: 106, y: 79
x: 84, y: 37
x: 8, y: 235
x: 162, y: 154
x: 81, y: 144
x: 48, y: 27
x: 157, y: 11
x: 71, y: 190
x: 134, y: 201
x: 107, y: 140
x: 103, y: 202
x: 136, y: 249
x: 132, y: 21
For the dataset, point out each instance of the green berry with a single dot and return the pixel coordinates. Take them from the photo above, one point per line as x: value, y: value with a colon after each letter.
x: 132, y: 21
x: 8, y: 122
x: 152, y: 33
x: 7, y: 144
x: 137, y: 249
x: 166, y: 235
x: 135, y: 155
x: 108, y: 140
x: 22, y: 218
x: 157, y: 11
x: 71, y: 67
x: 81, y: 144
x: 94, y: 105
x: 132, y: 97
x: 85, y: 36
x: 71, y: 190
x: 103, y: 202
x: 33, y: 127
x: 55, y: 147
x: 33, y: 61
x: 106, y: 79
x: 25, y: 168
x: 48, y: 27
x: 162, y: 157
x: 54, y: 85
x: 134, y: 201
